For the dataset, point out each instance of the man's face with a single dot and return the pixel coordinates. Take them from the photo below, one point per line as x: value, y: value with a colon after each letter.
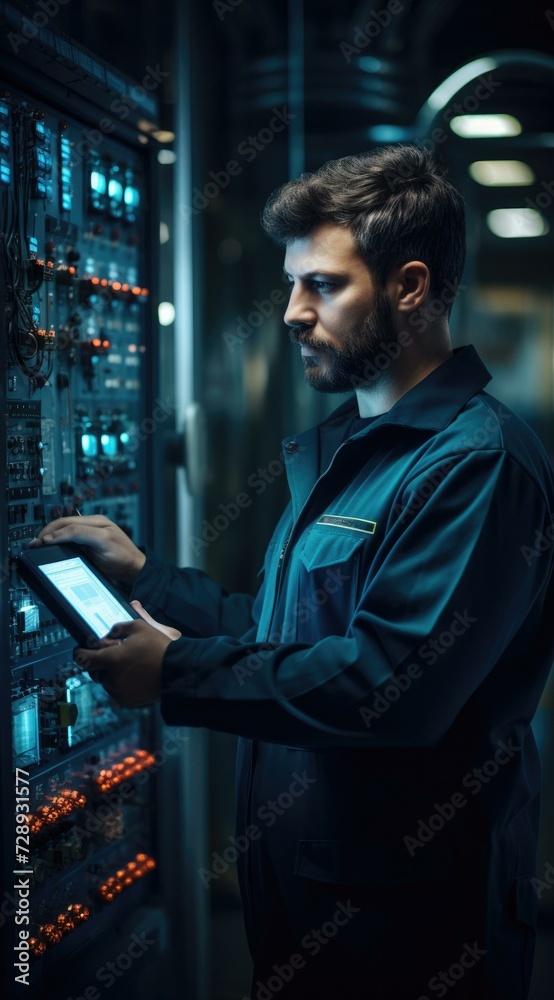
x: 337, y: 312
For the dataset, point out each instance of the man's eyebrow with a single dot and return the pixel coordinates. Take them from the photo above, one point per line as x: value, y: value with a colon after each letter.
x: 316, y: 274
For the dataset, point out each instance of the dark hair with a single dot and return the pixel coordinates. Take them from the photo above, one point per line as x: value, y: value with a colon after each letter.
x: 397, y: 204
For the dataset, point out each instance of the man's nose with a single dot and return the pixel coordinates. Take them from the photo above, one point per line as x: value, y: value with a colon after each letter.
x: 299, y: 309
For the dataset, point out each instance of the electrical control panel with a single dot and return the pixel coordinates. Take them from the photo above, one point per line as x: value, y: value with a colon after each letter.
x: 77, y: 381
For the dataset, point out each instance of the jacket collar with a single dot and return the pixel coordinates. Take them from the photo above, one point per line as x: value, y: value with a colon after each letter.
x: 430, y: 405
x: 434, y: 402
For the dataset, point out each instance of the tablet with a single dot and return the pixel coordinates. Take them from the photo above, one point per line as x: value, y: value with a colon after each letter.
x: 77, y: 593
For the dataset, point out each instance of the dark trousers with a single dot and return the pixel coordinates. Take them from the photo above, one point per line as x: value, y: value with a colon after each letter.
x: 428, y: 939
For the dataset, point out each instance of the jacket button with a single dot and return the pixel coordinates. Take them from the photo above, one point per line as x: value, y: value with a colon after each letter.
x: 291, y: 447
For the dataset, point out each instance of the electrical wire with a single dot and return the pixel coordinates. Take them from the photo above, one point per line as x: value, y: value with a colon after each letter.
x: 23, y: 331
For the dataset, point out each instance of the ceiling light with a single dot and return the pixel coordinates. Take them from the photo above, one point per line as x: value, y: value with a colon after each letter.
x: 390, y: 133
x: 517, y: 223
x: 166, y: 313
x: 146, y: 126
x: 166, y: 156
x: 163, y: 135
x: 485, y: 126
x: 501, y: 173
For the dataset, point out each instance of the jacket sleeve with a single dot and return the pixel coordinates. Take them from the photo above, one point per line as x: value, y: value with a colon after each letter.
x: 191, y: 601
x: 450, y: 586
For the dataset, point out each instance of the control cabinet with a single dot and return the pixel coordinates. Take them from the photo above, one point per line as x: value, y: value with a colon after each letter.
x: 79, y: 408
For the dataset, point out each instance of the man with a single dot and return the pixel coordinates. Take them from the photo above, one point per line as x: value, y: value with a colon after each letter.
x: 385, y: 676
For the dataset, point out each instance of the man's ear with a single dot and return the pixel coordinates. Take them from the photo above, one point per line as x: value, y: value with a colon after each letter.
x: 408, y: 286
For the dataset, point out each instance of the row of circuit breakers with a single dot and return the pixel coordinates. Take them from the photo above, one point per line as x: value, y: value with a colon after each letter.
x: 73, y: 249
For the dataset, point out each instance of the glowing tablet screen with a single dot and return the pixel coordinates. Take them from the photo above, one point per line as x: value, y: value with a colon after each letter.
x: 87, y: 594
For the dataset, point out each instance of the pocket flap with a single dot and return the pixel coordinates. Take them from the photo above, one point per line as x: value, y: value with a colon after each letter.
x: 329, y: 545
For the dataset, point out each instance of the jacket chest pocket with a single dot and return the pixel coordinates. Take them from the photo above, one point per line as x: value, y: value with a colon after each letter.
x: 329, y: 577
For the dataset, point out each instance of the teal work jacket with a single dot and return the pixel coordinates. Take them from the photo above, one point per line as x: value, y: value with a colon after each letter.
x: 396, y: 652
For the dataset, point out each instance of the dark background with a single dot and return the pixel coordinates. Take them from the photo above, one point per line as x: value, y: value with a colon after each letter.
x: 245, y: 59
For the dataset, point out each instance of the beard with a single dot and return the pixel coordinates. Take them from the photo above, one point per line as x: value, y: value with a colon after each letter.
x: 351, y: 367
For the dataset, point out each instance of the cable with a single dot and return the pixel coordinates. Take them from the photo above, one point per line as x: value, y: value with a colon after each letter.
x: 21, y: 326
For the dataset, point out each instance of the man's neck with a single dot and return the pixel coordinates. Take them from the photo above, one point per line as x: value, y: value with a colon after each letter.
x: 381, y: 395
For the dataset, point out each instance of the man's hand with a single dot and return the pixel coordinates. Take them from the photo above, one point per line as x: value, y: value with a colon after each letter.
x: 128, y: 662
x: 172, y: 633
x: 109, y: 547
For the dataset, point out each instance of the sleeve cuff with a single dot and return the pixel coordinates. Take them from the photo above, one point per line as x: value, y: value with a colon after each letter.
x: 178, y: 682
x: 149, y: 582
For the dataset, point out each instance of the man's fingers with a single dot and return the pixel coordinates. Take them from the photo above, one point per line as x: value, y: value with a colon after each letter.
x: 122, y: 630
x: 105, y: 654
x: 102, y: 658
x: 72, y: 529
x: 88, y: 520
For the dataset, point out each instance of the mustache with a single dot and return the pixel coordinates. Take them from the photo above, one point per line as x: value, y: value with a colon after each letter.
x: 300, y: 335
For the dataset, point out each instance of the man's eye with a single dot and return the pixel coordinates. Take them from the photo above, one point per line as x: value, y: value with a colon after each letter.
x: 322, y: 286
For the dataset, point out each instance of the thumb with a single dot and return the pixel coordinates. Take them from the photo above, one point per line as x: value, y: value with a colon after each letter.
x: 144, y: 614
x: 171, y: 633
